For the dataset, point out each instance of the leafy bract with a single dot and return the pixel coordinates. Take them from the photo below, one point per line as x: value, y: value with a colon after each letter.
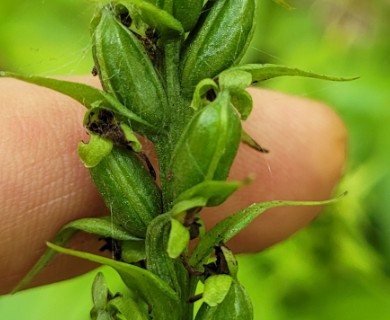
x: 249, y: 141
x: 160, y: 297
x: 102, y: 227
x: 209, y: 143
x: 262, y: 72
x: 233, y: 224
x: 86, y: 95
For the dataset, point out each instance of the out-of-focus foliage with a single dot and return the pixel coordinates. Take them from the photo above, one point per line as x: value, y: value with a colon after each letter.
x: 45, y: 37
x: 339, y: 267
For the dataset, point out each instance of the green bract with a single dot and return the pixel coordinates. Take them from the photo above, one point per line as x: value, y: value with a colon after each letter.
x: 207, y: 147
x: 128, y: 190
x: 218, y: 41
x: 186, y: 11
x: 170, y: 74
x: 126, y: 70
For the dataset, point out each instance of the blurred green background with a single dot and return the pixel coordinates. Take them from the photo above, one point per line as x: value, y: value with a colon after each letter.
x: 339, y: 267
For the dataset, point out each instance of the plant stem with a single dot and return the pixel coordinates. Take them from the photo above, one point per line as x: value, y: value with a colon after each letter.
x: 179, y: 114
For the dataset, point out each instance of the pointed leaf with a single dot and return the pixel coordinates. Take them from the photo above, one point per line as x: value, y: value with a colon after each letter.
x: 94, y: 151
x: 216, y: 288
x: 249, y: 141
x: 178, y: 240
x: 86, y: 95
x: 82, y: 93
x: 102, y: 227
x: 161, y: 298
x: 233, y: 224
x: 214, y: 192
x: 262, y: 72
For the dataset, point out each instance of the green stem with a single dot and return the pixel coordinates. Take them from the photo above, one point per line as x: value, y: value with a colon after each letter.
x: 179, y: 110
x: 179, y: 114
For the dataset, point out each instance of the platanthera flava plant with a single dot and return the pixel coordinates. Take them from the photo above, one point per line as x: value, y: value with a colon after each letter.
x: 170, y: 72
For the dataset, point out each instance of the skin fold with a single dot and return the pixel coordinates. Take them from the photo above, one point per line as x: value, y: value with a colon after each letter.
x: 43, y: 184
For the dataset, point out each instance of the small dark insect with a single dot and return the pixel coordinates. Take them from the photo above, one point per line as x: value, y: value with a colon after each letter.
x: 94, y: 71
